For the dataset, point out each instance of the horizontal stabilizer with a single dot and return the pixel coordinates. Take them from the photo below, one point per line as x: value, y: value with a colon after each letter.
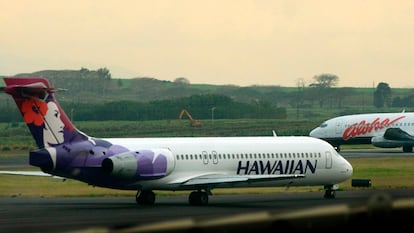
x: 33, y: 87
x: 29, y: 173
x: 39, y: 92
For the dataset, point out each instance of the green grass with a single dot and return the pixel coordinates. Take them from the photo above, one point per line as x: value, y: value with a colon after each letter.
x: 385, y: 173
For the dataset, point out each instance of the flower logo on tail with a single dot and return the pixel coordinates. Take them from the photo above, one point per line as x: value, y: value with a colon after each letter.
x: 34, y: 111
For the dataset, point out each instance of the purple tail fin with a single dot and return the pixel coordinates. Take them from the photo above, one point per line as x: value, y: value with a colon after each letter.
x: 46, y: 120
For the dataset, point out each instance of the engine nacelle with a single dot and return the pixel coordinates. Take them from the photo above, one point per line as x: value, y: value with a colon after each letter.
x: 380, y: 141
x: 143, y: 164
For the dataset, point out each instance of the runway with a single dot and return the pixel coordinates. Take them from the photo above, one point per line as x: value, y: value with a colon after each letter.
x: 118, y: 213
x: 122, y: 214
x: 377, y: 152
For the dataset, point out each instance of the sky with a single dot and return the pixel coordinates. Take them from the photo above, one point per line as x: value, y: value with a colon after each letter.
x: 235, y: 42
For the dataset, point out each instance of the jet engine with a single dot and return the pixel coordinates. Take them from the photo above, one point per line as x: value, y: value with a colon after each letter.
x: 380, y: 141
x: 143, y: 164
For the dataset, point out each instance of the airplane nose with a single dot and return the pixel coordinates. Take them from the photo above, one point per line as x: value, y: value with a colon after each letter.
x: 348, y: 168
x: 314, y: 133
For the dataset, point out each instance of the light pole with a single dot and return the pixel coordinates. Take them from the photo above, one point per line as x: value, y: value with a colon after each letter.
x: 212, y: 113
x: 301, y: 85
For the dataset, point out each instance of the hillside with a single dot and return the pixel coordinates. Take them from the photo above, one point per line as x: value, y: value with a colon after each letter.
x: 88, y: 86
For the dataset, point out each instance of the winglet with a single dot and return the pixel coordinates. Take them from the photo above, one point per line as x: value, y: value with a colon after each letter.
x: 274, y: 133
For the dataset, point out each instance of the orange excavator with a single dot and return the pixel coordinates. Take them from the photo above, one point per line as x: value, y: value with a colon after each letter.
x: 194, y: 123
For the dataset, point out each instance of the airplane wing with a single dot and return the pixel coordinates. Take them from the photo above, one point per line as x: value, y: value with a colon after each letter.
x: 209, y: 179
x: 29, y: 173
x: 394, y: 137
x: 398, y: 135
x: 197, y: 180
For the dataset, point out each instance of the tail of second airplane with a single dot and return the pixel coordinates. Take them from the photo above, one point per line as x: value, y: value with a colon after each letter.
x: 47, y: 122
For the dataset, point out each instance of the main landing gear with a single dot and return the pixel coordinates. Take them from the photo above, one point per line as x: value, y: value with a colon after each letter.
x: 330, y: 191
x: 198, y: 198
x: 147, y: 197
x: 407, y: 149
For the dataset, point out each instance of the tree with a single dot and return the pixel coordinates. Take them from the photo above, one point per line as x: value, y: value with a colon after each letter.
x: 104, y: 73
x: 325, y: 80
x: 322, y: 85
x: 382, y: 95
x: 182, y: 80
x: 104, y: 78
x: 407, y: 101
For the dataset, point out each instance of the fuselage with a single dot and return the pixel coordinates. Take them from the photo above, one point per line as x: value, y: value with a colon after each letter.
x: 361, y: 128
x: 227, y: 156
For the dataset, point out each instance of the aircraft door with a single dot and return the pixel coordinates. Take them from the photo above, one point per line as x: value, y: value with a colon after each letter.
x: 215, y: 157
x: 205, y: 157
x: 338, y: 127
x: 328, y: 156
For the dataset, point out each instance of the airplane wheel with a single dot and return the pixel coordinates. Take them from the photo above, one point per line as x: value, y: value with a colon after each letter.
x: 337, y: 148
x: 407, y: 149
x: 145, y: 197
x: 329, y: 194
x: 198, y: 198
x: 203, y: 198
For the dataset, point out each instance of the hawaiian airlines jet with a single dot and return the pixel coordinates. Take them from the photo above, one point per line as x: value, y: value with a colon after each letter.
x: 198, y: 164
x: 386, y: 130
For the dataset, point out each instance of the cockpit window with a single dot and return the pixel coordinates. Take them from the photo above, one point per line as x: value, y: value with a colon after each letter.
x: 323, y: 125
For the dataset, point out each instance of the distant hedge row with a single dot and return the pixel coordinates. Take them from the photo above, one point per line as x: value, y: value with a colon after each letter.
x: 199, y: 106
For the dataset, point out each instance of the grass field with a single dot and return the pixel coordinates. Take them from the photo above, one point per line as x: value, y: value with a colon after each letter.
x: 385, y: 173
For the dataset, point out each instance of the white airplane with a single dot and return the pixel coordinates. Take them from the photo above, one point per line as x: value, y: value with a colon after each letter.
x: 184, y: 163
x: 385, y: 130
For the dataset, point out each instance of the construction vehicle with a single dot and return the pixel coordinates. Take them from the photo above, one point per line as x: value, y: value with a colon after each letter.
x: 193, y: 122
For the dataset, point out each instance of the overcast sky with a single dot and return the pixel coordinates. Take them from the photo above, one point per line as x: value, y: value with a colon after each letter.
x: 240, y: 42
